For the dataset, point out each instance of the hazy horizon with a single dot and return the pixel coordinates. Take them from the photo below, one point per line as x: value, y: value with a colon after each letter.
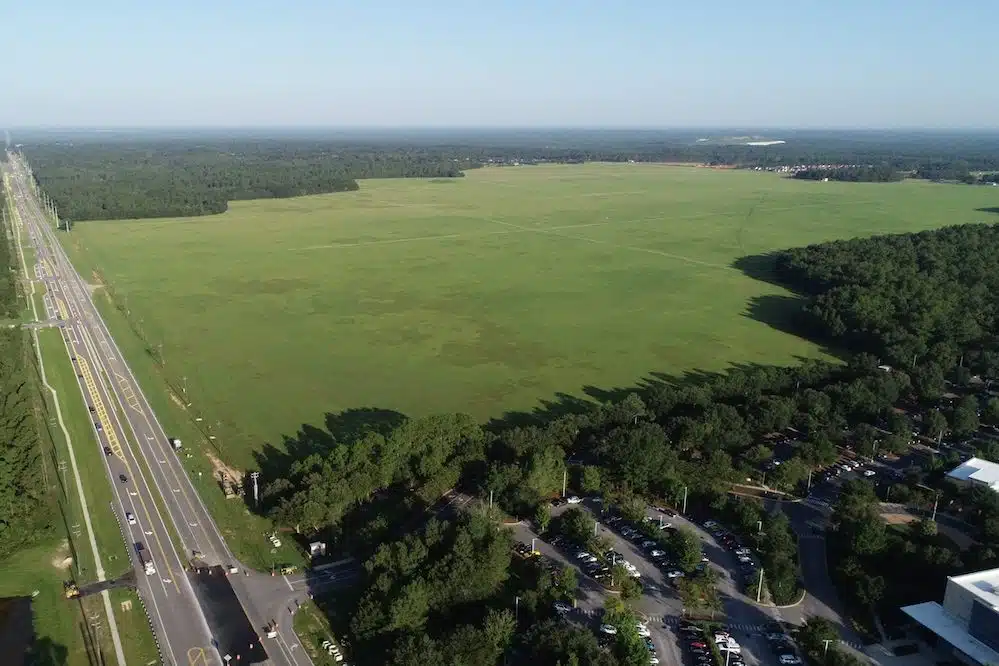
x: 388, y: 64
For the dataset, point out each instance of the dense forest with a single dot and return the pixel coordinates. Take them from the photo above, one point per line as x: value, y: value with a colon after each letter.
x: 923, y: 299
x: 135, y: 175
x: 24, y: 509
x: 118, y: 181
x: 856, y: 174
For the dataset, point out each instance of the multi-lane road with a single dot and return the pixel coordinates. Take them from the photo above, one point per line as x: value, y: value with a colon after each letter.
x: 150, y: 483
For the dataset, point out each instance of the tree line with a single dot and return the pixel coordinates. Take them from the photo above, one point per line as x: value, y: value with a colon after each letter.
x: 855, y: 174
x: 25, y: 511
x: 138, y: 176
x: 125, y: 181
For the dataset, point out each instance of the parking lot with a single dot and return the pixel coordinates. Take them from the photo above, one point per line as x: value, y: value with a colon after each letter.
x: 660, y: 604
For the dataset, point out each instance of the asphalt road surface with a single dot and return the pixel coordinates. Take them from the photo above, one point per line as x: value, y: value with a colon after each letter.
x: 142, y: 465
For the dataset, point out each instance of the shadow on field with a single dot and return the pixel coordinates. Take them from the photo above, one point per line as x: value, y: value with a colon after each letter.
x: 760, y: 267
x: 991, y: 209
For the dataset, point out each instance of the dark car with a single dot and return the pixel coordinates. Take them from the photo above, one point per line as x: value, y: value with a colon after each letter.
x: 107, y: 450
x: 123, y: 478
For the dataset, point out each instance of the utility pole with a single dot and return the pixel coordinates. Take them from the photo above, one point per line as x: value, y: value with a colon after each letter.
x: 935, y: 501
x: 256, y: 494
x: 516, y: 609
x: 809, y: 487
x: 684, y: 509
x: 490, y: 499
x: 565, y: 480
x: 825, y: 651
x: 759, y: 587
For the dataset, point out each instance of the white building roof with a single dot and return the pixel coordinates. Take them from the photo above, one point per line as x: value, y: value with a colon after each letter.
x: 932, y: 616
x: 977, y: 470
x: 983, y: 584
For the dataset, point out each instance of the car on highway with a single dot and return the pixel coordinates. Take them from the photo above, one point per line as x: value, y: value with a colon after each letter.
x: 123, y: 478
x: 107, y: 450
x: 130, y: 518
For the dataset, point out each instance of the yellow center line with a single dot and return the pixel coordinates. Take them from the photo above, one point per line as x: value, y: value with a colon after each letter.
x: 108, y: 427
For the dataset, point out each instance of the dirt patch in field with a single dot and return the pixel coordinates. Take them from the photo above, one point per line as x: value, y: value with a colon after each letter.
x: 220, y: 469
x: 61, y: 558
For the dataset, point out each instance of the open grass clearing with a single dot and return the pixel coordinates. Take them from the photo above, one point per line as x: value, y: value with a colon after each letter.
x: 485, y: 294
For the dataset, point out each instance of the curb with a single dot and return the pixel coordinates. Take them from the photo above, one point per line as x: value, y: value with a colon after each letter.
x: 138, y: 593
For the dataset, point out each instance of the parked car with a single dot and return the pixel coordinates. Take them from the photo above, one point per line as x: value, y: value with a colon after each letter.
x: 574, y: 500
x: 608, y: 629
x: 562, y: 607
x: 789, y: 660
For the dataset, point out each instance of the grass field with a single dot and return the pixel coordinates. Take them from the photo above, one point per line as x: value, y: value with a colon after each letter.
x: 483, y: 294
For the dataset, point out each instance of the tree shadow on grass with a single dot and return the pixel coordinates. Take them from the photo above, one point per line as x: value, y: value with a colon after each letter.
x: 762, y: 267
x: 991, y: 209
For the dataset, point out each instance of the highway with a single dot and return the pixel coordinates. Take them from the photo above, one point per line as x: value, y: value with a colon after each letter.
x: 147, y: 476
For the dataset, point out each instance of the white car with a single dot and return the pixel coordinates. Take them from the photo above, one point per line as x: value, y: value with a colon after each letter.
x: 731, y: 646
x: 608, y: 629
x: 653, y: 659
x: 583, y: 555
x: 643, y: 630
x: 743, y: 551
x: 675, y: 573
x: 869, y: 472
x: 130, y: 518
x: 710, y: 523
x: 562, y: 608
x: 574, y: 500
x: 789, y: 660
x: 657, y: 553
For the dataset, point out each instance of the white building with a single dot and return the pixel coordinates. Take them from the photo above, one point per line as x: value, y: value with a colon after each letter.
x: 967, y: 624
x: 978, y: 471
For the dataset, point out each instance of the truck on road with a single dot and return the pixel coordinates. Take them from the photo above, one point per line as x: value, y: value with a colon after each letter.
x: 144, y: 558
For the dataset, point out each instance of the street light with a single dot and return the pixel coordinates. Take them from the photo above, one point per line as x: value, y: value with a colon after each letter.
x: 825, y: 651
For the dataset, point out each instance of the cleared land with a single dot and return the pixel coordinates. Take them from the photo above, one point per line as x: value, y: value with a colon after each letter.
x: 484, y: 294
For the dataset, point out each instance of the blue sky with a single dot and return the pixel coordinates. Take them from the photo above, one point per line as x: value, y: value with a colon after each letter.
x: 565, y: 63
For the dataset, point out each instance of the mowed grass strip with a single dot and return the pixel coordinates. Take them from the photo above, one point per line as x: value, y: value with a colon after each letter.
x: 483, y: 294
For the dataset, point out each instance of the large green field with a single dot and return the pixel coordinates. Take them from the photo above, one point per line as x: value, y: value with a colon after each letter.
x: 484, y: 294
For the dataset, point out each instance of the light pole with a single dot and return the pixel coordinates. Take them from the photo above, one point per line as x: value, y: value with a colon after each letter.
x: 825, y: 651
x: 516, y: 609
x: 533, y: 539
x: 684, y: 509
x: 565, y: 480
x: 936, y: 500
x: 759, y: 587
x: 759, y: 527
